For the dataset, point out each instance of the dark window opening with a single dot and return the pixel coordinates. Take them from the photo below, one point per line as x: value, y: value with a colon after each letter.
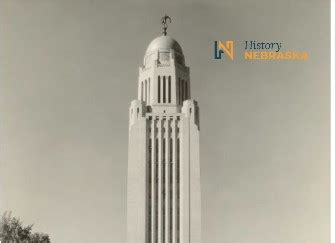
x: 159, y: 89
x: 169, y: 89
x: 145, y: 92
x: 182, y: 90
x: 141, y: 90
x: 164, y: 89
x: 186, y: 90
x: 149, y: 91
x: 179, y: 90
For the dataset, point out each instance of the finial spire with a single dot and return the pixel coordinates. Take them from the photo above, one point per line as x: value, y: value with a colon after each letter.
x: 164, y: 23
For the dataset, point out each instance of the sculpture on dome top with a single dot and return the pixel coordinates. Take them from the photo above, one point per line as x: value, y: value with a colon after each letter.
x: 164, y: 23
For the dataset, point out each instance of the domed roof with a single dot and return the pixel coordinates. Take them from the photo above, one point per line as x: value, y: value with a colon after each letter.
x: 164, y: 42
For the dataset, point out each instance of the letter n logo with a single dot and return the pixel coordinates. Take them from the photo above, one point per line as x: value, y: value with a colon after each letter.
x: 221, y: 47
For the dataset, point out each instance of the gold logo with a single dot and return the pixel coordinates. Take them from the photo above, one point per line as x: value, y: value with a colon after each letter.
x: 224, y: 47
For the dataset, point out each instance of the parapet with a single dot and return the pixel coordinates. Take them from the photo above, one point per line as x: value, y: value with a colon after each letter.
x: 137, y: 110
x: 190, y: 109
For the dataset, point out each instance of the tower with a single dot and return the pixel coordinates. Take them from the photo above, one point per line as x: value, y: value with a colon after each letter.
x: 163, y: 204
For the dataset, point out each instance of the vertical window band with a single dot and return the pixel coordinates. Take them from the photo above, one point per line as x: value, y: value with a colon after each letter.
x: 159, y: 89
x: 179, y: 90
x: 186, y: 91
x: 145, y: 92
x: 169, y: 89
x: 148, y: 90
x: 164, y: 90
x: 141, y: 90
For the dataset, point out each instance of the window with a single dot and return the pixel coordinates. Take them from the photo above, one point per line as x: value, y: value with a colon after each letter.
x: 156, y: 151
x: 145, y: 91
x: 164, y: 193
x: 163, y: 159
x: 164, y: 89
x: 149, y: 188
x: 156, y: 190
x: 186, y: 91
x: 150, y: 150
x: 171, y: 188
x: 182, y: 91
x: 141, y: 90
x: 171, y: 149
x: 159, y: 89
x: 169, y: 89
x: 178, y: 187
x: 179, y: 90
x: 149, y: 91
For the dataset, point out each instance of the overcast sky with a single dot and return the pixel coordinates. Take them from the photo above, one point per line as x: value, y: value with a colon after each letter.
x: 68, y: 72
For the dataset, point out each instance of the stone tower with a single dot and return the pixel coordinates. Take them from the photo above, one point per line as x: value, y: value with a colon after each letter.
x: 163, y: 204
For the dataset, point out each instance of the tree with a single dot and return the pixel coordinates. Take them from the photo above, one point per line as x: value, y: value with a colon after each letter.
x: 39, y: 237
x: 13, y: 231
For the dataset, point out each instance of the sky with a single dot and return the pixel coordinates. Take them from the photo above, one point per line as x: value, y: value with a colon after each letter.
x: 68, y: 72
